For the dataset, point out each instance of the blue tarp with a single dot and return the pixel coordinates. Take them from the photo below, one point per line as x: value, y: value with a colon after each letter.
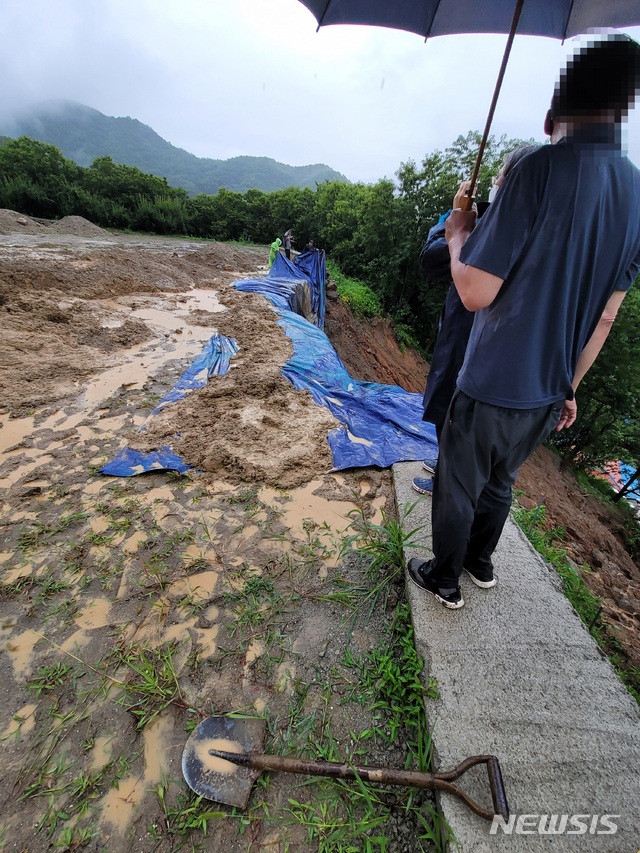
x: 383, y: 423
x: 212, y: 361
x: 282, y: 286
x: 627, y: 471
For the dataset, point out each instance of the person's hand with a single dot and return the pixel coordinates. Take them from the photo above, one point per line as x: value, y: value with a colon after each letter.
x: 460, y: 222
x: 568, y: 416
x: 462, y: 193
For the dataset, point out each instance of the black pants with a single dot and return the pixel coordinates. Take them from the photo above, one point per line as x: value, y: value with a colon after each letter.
x: 288, y: 253
x: 481, y: 449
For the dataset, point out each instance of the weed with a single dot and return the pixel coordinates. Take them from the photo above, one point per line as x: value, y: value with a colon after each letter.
x: 586, y: 604
x: 389, y: 681
x: 152, y: 684
x: 257, y: 603
x: 49, y: 677
x: 74, y: 838
x: 382, y: 546
x: 186, y: 816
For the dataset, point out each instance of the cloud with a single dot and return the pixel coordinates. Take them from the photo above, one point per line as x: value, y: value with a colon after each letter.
x: 228, y: 77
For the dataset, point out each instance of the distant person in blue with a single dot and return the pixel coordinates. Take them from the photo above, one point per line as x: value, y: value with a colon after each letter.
x: 455, y: 320
x: 545, y: 270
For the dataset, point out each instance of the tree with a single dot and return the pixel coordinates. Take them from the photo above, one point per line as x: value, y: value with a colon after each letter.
x: 608, y: 422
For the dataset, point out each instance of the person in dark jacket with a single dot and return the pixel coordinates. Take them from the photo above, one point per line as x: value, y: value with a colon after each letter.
x: 455, y: 321
x: 546, y: 271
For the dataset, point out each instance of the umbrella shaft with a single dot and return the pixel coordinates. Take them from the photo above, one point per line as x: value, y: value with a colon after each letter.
x: 494, y: 101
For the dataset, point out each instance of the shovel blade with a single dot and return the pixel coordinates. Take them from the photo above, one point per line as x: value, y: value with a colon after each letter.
x: 214, y: 778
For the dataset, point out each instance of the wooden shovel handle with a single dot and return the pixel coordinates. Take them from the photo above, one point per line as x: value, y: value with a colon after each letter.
x: 386, y: 776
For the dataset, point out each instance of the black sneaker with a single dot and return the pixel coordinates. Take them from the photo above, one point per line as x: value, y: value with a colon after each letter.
x: 419, y: 575
x: 481, y: 577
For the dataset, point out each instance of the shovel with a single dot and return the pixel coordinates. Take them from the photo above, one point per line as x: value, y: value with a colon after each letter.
x: 223, y: 757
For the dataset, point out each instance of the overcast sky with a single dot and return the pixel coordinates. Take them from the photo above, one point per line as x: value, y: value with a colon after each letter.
x: 227, y: 77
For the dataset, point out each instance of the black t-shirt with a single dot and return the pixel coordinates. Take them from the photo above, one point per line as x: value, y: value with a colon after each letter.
x: 563, y: 233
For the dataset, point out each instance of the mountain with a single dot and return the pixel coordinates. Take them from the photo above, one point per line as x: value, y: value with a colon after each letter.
x: 82, y: 134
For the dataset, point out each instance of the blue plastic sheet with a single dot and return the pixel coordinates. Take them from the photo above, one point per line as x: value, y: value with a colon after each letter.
x: 296, y: 286
x: 212, y: 361
x: 626, y: 472
x: 382, y: 423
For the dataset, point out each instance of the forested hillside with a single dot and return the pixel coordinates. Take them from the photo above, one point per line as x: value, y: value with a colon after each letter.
x: 82, y: 134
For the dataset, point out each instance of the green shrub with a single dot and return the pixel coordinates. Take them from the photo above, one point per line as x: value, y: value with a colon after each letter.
x: 360, y: 298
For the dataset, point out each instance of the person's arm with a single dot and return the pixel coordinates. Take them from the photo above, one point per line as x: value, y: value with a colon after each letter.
x: 476, y: 288
x: 590, y: 353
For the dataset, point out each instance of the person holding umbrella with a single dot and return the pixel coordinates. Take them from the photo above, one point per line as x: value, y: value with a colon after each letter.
x: 545, y: 270
x: 455, y: 321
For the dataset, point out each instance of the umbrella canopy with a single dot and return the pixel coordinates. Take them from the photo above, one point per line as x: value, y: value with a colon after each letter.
x: 554, y: 18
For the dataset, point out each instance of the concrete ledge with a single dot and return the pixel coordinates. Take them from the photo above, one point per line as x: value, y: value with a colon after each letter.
x: 520, y: 677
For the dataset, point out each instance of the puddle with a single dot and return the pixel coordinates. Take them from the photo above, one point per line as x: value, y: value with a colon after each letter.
x: 12, y: 575
x: 357, y: 440
x: 20, y: 651
x: 254, y: 651
x: 101, y: 752
x: 23, y: 720
x: 156, y: 737
x: 94, y: 616
x: 211, y: 763
x: 207, y: 641
x: 76, y: 641
x: 23, y: 470
x: 304, y: 505
x: 178, y: 632
x: 120, y: 805
x: 204, y: 300
x: 14, y: 430
x: 99, y: 524
x: 139, y: 366
x: 132, y: 544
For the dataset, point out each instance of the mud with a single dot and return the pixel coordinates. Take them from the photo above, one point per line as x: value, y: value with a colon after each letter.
x: 370, y: 352
x: 251, y: 424
x: 133, y: 608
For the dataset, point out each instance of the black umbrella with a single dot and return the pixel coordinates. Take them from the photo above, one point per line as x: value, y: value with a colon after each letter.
x: 554, y: 18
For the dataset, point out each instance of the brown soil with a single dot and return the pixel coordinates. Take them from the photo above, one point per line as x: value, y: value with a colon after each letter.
x: 251, y: 424
x: 595, y: 541
x: 57, y: 329
x: 370, y: 352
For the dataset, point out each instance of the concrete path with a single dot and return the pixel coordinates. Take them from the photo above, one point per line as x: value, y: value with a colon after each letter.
x: 520, y: 677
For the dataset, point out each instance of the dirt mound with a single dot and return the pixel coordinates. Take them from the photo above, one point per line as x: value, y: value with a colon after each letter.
x: 251, y: 424
x: 12, y: 222
x: 370, y: 352
x: 594, y: 536
x: 79, y: 226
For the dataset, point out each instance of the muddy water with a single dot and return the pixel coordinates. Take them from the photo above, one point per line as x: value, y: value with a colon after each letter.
x: 211, y: 763
x: 21, y: 651
x: 23, y: 721
x: 120, y: 805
